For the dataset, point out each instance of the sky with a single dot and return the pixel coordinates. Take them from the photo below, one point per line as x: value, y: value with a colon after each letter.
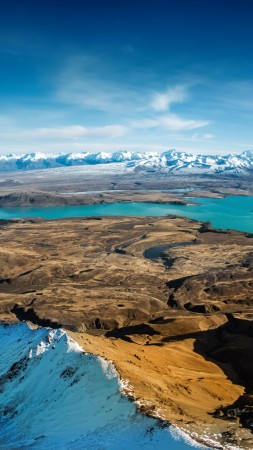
x: 103, y: 75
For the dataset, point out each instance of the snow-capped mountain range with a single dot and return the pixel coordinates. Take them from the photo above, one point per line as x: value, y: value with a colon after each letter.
x: 170, y: 161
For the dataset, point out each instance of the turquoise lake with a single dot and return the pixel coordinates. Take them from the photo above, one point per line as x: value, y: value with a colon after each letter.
x: 231, y: 212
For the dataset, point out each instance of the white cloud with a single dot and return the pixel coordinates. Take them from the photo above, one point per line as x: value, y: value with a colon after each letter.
x: 175, y: 123
x: 163, y: 101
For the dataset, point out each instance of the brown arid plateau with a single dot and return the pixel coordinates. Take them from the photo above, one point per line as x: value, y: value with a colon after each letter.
x: 168, y: 300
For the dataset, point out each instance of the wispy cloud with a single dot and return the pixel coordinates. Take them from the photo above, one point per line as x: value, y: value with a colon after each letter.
x: 175, y: 123
x: 170, y: 122
x: 70, y: 133
x: 162, y: 101
x: 79, y: 83
x: 143, y: 124
x: 237, y: 95
x: 203, y: 137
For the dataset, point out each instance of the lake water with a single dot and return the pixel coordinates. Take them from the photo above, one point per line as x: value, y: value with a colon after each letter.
x: 230, y: 212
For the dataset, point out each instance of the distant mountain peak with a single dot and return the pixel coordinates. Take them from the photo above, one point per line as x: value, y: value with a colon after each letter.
x: 170, y: 161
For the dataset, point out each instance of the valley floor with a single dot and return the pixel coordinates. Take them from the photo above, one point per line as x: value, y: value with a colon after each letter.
x: 110, y: 183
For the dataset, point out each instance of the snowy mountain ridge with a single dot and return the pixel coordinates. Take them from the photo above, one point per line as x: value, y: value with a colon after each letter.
x: 76, y: 404
x: 169, y: 161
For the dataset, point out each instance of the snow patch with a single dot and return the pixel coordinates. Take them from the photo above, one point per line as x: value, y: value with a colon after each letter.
x: 108, y: 368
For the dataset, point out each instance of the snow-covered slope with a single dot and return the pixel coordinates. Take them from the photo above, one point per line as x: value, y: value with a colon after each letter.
x: 55, y: 396
x: 170, y: 161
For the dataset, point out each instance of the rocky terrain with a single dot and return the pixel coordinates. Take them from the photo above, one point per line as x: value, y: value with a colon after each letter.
x: 168, y: 300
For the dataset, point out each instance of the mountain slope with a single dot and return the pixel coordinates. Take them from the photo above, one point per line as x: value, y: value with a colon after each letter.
x: 55, y: 396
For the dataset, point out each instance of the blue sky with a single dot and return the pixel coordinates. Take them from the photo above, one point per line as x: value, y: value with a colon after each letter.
x: 107, y: 75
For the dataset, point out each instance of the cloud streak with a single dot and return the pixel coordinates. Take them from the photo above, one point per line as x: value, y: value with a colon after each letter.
x: 72, y: 132
x: 171, y: 122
